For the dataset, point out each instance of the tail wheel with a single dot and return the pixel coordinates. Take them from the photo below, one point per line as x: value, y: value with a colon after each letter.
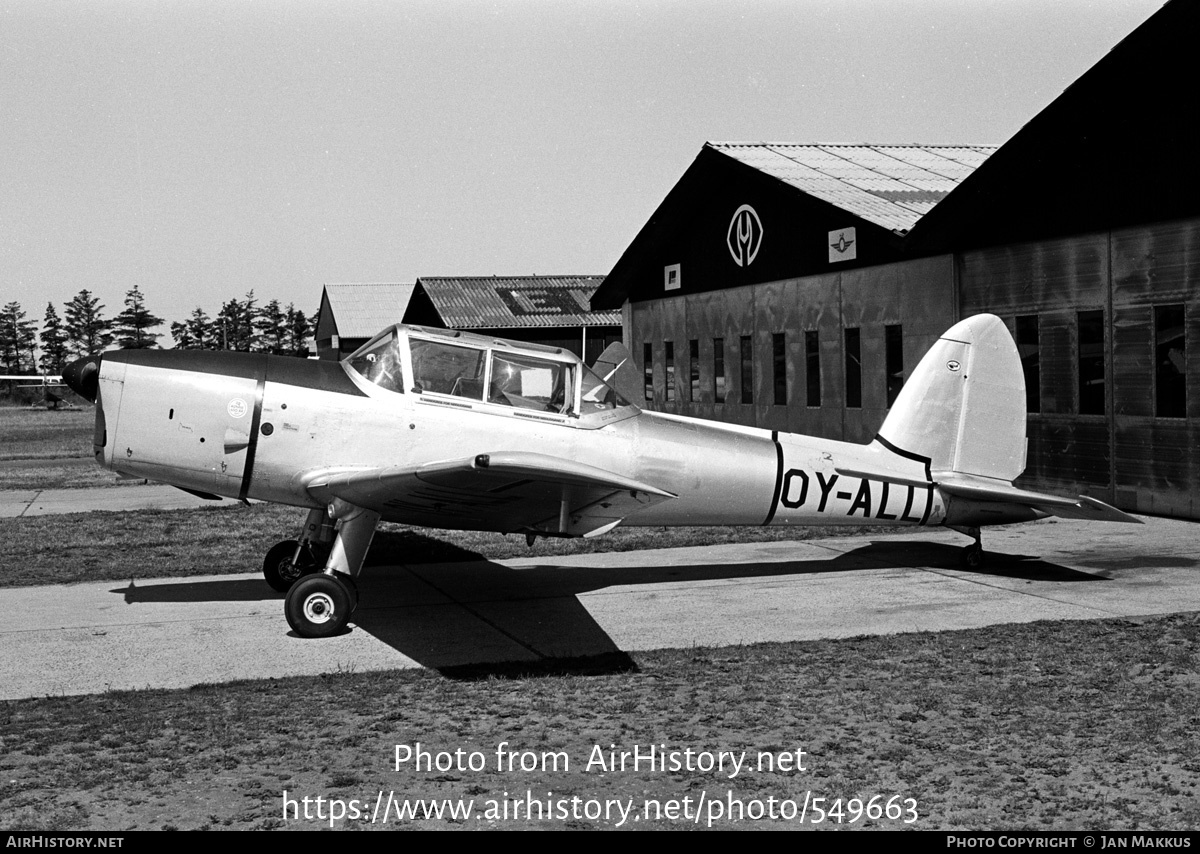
x: 318, y: 606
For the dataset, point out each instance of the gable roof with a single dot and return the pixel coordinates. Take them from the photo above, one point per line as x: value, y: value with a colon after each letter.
x: 1110, y: 151
x: 887, y: 188
x: 508, y: 302
x: 891, y: 186
x: 359, y: 310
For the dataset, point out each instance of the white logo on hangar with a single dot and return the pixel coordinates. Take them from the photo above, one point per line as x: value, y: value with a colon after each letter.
x: 745, y: 236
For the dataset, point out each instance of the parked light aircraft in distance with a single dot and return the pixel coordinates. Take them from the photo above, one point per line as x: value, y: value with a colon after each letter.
x: 45, y: 382
x: 453, y: 430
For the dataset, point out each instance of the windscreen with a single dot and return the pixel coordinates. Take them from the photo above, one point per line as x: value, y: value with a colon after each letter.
x: 378, y: 361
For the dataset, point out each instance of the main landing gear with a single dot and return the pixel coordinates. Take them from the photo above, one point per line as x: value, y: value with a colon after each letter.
x: 320, y: 601
x: 287, y: 562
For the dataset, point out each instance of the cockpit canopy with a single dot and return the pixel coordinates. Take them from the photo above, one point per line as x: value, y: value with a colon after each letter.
x: 422, y: 361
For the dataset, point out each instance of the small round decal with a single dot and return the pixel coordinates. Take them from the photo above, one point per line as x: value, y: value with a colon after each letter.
x: 237, y: 408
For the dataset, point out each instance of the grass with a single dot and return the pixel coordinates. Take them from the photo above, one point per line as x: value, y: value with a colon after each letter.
x: 233, y: 538
x: 1064, y: 725
x: 27, y: 434
x: 1056, y: 725
x: 61, y: 440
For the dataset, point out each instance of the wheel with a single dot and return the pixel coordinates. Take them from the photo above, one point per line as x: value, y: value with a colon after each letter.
x: 351, y: 587
x: 318, y: 606
x: 972, y: 557
x: 278, y: 569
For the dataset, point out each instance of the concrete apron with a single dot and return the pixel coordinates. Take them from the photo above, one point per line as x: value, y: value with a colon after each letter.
x: 174, y: 633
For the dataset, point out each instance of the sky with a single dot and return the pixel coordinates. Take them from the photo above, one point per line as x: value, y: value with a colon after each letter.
x: 201, y: 149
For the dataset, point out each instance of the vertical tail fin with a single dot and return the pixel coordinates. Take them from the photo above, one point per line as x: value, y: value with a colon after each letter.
x: 963, y: 407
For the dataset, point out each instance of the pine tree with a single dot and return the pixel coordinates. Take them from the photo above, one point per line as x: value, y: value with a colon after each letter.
x: 196, y: 333
x: 133, y: 325
x: 272, y: 328
x: 87, y: 330
x: 54, y: 343
x: 298, y: 330
x: 18, y: 340
x: 235, y: 324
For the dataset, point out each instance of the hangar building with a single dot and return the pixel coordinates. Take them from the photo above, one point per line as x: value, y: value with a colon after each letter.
x: 792, y: 286
x: 550, y: 310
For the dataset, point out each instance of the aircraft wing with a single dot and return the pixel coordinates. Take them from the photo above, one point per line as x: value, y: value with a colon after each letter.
x: 510, y: 491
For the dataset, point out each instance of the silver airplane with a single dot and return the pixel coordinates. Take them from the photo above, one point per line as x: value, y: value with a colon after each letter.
x: 447, y: 429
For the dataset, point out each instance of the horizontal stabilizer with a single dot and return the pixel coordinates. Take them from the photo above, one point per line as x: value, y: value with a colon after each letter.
x: 987, y: 489
x: 507, y: 491
x: 992, y: 489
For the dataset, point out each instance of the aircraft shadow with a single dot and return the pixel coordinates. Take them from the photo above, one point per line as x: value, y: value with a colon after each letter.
x: 476, y: 619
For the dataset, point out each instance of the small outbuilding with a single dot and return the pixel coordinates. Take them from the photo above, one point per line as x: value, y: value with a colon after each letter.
x: 352, y: 313
x: 551, y: 310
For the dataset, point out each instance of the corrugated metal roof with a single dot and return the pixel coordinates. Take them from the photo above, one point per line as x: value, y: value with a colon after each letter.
x: 360, y: 310
x: 500, y: 302
x: 892, y: 186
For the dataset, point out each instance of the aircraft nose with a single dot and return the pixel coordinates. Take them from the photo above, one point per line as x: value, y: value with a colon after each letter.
x: 83, y: 376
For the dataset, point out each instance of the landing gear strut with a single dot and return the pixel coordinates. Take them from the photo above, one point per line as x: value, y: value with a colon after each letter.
x: 971, y: 556
x: 320, y: 605
x: 287, y: 562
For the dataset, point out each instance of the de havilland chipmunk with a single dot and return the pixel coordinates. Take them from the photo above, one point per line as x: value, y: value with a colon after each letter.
x: 447, y: 429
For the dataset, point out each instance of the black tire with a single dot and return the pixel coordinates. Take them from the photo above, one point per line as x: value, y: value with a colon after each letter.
x: 318, y: 606
x: 278, y: 569
x: 972, y: 557
x: 351, y: 587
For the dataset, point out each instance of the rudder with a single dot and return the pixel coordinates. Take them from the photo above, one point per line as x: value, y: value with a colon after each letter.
x: 963, y: 407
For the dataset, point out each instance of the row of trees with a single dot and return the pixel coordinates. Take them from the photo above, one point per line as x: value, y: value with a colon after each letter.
x: 82, y: 329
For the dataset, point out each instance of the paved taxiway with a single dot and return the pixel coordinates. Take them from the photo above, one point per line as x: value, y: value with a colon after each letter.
x: 139, y: 496
x: 178, y: 632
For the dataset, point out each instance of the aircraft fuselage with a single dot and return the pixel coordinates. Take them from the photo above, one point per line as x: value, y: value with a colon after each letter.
x: 252, y: 426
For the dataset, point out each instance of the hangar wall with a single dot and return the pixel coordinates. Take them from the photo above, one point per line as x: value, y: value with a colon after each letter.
x: 777, y: 355
x: 1103, y: 319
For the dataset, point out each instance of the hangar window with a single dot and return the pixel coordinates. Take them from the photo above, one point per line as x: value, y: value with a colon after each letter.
x: 718, y: 370
x: 670, y: 360
x: 812, y: 367
x: 1029, y: 348
x: 779, y: 367
x: 648, y: 370
x: 893, y: 353
x: 1091, y: 362
x: 747, y: 355
x: 1170, y: 365
x: 693, y: 370
x: 853, y: 369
